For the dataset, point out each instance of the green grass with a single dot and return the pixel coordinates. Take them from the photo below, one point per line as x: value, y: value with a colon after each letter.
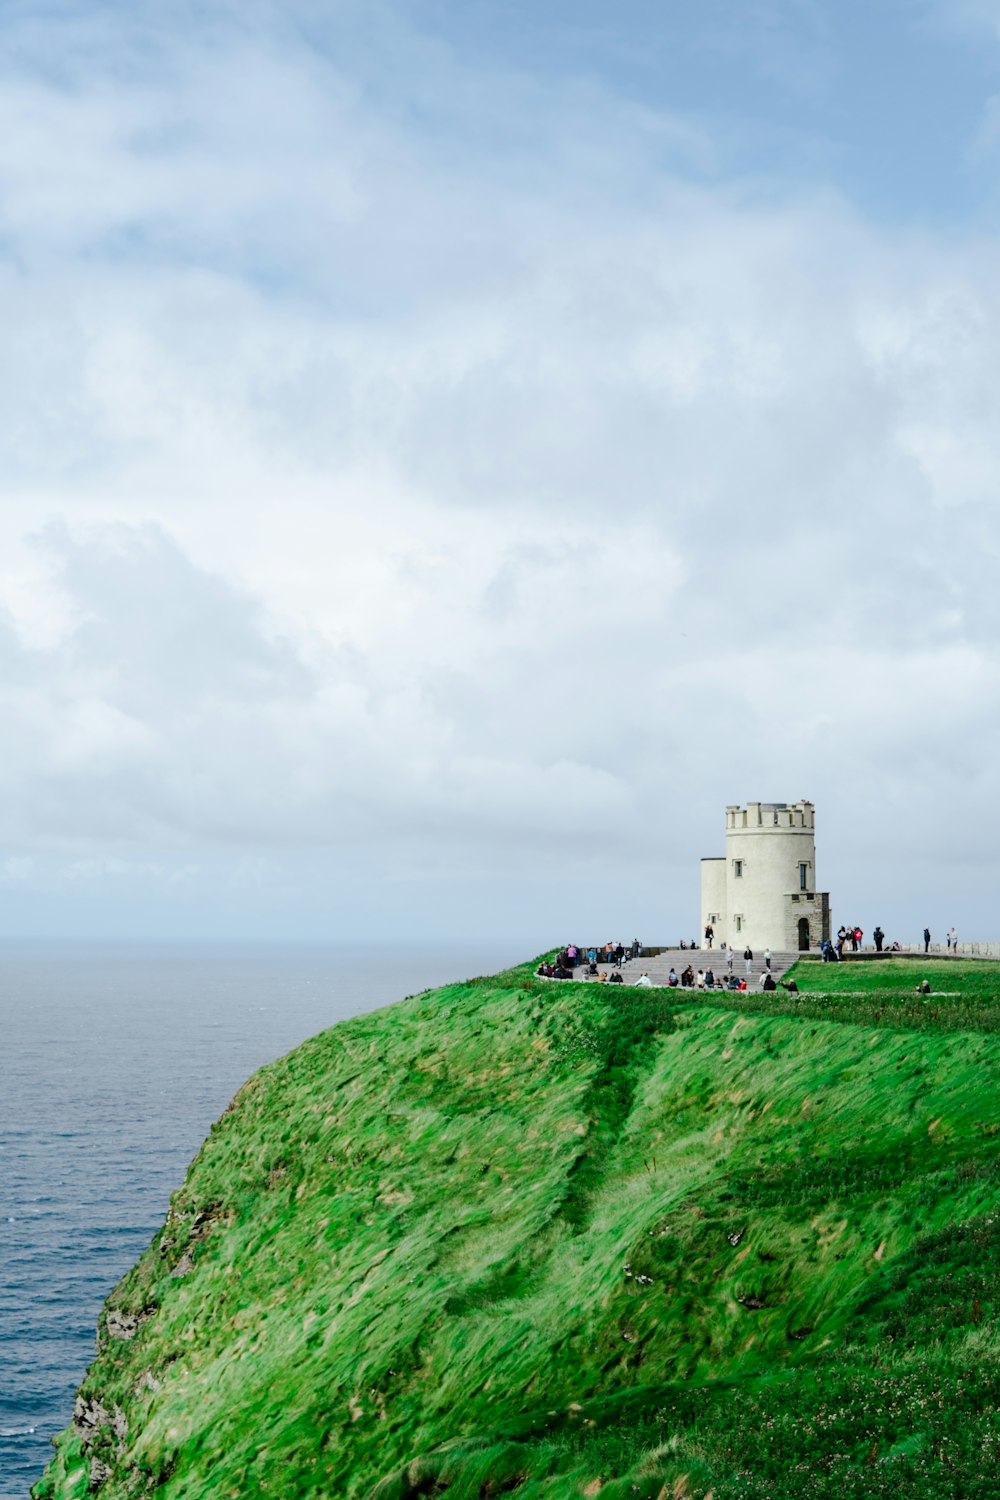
x: 552, y: 1240
x: 965, y: 994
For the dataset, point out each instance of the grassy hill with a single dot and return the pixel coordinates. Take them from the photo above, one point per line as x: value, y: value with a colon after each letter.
x: 540, y: 1239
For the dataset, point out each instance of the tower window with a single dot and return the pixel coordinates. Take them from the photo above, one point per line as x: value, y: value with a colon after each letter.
x: 739, y: 923
x: 737, y: 868
x: 803, y: 874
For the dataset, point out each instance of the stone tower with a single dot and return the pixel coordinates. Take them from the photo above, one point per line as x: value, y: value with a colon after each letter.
x: 762, y: 891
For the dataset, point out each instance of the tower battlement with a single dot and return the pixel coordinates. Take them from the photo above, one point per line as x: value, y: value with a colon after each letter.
x: 761, y: 816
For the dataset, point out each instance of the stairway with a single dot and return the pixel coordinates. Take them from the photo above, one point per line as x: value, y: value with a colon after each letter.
x: 700, y: 958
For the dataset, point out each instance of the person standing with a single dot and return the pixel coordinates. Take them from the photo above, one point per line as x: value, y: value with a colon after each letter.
x: 748, y: 959
x: 879, y: 937
x: 954, y: 941
x: 767, y: 959
x: 709, y: 935
x: 730, y: 955
x: 927, y: 939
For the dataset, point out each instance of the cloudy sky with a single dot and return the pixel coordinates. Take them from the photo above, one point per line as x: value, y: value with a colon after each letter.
x: 451, y: 448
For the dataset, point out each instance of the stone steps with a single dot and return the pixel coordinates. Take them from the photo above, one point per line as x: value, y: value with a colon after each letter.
x: 658, y: 967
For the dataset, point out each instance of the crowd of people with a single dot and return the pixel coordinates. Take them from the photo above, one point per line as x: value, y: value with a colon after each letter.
x: 573, y: 957
x: 707, y: 979
x: 605, y: 963
x: 832, y: 950
x: 704, y: 979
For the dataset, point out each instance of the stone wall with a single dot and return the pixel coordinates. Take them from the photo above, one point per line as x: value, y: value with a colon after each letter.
x: 713, y: 899
x: 812, y: 908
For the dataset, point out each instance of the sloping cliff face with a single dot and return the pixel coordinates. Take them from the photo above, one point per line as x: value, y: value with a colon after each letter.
x: 552, y: 1240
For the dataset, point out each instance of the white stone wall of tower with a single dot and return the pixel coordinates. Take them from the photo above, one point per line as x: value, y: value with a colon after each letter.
x: 713, y: 899
x: 769, y: 845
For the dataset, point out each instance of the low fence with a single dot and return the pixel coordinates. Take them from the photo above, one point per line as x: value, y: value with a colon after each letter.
x: 939, y: 950
x: 646, y: 950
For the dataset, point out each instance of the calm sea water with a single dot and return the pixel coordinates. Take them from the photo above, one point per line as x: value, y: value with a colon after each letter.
x: 113, y: 1064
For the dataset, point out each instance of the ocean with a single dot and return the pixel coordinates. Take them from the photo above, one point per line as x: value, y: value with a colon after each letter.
x: 114, y: 1061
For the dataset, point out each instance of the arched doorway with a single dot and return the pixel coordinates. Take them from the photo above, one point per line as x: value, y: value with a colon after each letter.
x: 803, y: 934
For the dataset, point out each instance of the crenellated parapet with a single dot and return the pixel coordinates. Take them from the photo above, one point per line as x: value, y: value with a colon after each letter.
x: 771, y: 815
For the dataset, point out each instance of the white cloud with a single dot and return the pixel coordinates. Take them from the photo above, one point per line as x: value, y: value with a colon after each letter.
x: 964, y: 17
x: 406, y: 495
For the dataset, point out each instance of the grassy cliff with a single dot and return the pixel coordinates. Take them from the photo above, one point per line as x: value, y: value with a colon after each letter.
x: 520, y: 1237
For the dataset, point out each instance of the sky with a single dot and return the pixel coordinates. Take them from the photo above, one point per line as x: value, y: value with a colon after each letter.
x: 449, y: 451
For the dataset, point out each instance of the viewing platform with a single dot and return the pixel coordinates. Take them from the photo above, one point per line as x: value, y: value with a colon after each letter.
x: 658, y: 962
